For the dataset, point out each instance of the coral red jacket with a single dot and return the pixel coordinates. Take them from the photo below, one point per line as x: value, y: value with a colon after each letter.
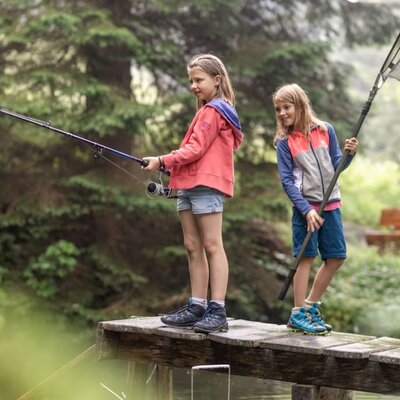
x: 205, y: 156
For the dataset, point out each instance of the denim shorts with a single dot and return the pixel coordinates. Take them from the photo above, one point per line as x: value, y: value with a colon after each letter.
x: 201, y: 200
x: 329, y: 239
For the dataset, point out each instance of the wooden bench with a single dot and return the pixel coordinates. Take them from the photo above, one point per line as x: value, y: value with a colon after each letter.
x: 386, y: 239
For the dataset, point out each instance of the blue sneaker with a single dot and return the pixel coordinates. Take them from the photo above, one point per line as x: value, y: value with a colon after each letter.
x: 214, y: 320
x: 184, y: 317
x: 302, y: 322
x: 317, y: 317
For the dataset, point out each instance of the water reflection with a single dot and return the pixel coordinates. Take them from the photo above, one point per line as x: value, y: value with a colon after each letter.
x: 211, y: 386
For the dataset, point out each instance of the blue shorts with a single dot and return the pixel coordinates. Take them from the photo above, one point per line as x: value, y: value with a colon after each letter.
x: 329, y: 239
x: 200, y: 200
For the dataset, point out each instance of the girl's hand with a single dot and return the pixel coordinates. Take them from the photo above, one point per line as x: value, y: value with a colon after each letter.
x: 154, y: 164
x: 314, y: 221
x: 351, y: 145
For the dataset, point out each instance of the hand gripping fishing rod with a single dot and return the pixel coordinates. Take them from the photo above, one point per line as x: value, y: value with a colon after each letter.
x: 97, y: 146
x: 387, y: 70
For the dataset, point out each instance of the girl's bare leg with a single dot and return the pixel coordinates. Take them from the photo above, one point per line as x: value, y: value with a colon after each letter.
x: 211, y: 231
x: 323, y: 278
x: 300, y: 281
x: 198, y: 265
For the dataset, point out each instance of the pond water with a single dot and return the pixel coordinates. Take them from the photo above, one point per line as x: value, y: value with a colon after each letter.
x: 214, y: 386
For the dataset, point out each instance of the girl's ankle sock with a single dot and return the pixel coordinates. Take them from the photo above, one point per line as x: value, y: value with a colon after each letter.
x: 199, y: 301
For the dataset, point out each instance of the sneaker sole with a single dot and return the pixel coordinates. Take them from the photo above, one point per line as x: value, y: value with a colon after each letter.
x: 188, y: 327
x: 328, y: 329
x: 323, y: 333
x: 223, y: 328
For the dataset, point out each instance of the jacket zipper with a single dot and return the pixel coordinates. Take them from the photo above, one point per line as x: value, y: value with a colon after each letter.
x: 319, y: 169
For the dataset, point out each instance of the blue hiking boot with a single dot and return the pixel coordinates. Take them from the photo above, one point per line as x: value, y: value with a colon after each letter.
x: 317, y: 317
x: 302, y: 322
x: 184, y: 317
x: 214, y: 320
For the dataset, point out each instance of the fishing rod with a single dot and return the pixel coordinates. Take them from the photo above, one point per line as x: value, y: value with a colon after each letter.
x: 153, y: 188
x: 388, y: 69
x: 97, y: 146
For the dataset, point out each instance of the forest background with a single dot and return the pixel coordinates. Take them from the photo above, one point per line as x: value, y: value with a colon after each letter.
x: 80, y: 239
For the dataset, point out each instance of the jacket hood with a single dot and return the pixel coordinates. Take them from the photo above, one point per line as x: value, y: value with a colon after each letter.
x: 229, y: 113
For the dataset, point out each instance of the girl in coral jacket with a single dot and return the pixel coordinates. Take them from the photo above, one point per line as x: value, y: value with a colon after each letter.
x: 308, y: 155
x: 202, y: 170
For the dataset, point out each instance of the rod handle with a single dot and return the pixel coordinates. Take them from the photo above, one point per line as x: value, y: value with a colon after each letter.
x: 144, y: 163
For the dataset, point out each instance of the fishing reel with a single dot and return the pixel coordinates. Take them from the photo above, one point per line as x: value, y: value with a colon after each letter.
x: 155, y: 189
x: 98, y: 151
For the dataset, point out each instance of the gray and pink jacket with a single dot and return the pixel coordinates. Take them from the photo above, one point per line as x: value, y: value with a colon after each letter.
x: 307, y: 165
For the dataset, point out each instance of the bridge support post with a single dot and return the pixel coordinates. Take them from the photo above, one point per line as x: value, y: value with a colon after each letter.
x: 149, y: 381
x: 165, y: 382
x: 304, y: 392
x: 310, y: 392
x: 326, y: 393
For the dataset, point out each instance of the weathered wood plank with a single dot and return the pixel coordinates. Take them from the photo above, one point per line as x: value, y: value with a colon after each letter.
x: 133, y: 324
x: 363, y: 349
x: 248, y: 333
x: 187, y: 334
x: 300, y: 343
x: 387, y: 357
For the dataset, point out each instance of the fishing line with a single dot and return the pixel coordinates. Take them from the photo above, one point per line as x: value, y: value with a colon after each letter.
x: 70, y: 364
x: 100, y: 154
x: 153, y: 189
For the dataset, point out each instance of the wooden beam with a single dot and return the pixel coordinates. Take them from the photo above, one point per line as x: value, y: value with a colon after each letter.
x: 339, y: 360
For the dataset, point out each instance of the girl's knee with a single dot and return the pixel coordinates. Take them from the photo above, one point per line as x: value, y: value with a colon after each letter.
x: 212, y: 246
x: 334, y: 262
x: 193, y: 246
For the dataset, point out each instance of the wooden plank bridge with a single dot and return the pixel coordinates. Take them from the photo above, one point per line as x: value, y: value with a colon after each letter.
x: 337, y: 363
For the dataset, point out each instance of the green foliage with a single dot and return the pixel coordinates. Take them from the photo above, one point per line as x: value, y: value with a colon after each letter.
x: 258, y: 194
x: 57, y: 23
x: 363, y: 297
x: 368, y: 187
x: 3, y: 274
x: 44, y: 274
x: 114, y: 275
x: 90, y: 67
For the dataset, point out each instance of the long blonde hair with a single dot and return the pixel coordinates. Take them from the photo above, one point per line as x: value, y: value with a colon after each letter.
x: 305, y: 116
x: 213, y: 66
